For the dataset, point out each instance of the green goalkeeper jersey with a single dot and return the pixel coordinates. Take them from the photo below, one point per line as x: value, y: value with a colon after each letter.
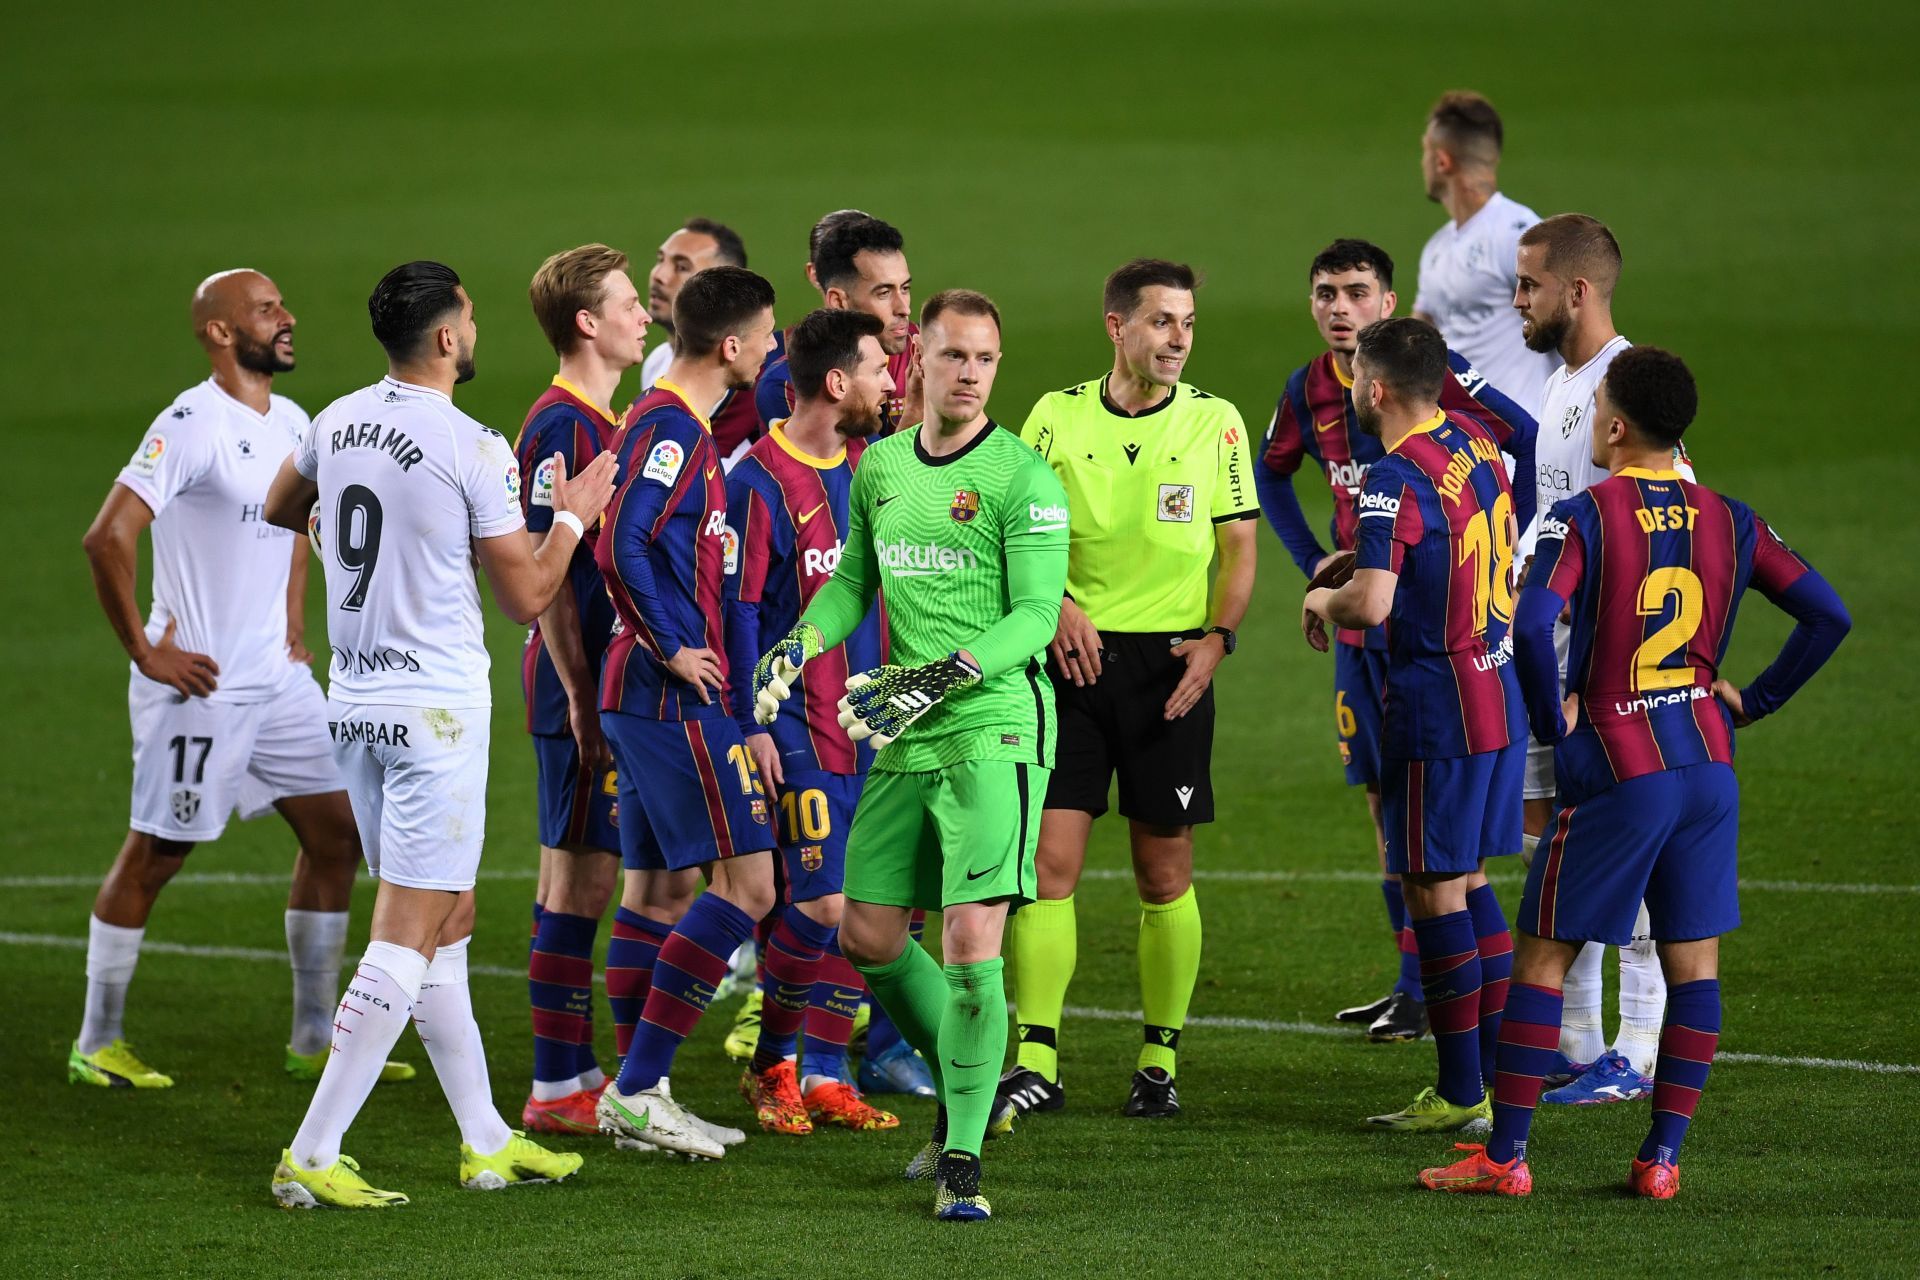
x: 967, y: 551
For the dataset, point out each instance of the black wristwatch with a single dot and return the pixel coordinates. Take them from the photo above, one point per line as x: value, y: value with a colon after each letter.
x: 1226, y: 634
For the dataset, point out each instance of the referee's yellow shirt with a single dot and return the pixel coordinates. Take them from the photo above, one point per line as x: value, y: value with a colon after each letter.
x: 1145, y: 491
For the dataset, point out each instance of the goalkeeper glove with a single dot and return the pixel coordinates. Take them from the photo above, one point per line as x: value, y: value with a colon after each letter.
x: 773, y: 674
x: 881, y: 703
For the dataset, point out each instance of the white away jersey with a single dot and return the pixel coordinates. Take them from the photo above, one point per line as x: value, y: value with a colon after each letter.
x: 219, y: 569
x: 407, y: 482
x: 1467, y: 278
x: 654, y: 367
x: 1563, y: 453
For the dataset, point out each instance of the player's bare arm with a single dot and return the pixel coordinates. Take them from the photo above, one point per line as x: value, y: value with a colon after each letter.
x: 291, y: 497
x: 560, y: 632
x: 112, y: 544
x: 1365, y: 601
x: 1234, y: 553
x: 524, y: 579
x: 297, y: 605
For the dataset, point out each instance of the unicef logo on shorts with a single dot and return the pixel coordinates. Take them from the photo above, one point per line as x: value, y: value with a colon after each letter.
x: 186, y: 805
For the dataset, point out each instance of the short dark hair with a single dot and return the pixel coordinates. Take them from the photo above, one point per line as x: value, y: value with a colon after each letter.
x: 828, y: 221
x: 1130, y: 279
x: 732, y: 249
x: 962, y: 302
x: 1353, y: 255
x: 1467, y: 124
x: 833, y: 261
x: 409, y: 301
x: 1654, y: 391
x: 1577, y: 247
x: 827, y: 340
x: 715, y: 304
x: 1408, y: 355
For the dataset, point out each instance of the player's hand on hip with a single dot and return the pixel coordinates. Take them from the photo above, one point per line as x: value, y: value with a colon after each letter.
x: 1570, y: 712
x: 882, y: 703
x: 1076, y: 645
x: 1313, y: 623
x: 297, y: 650
x: 1730, y: 699
x: 699, y: 668
x: 191, y: 675
x: 767, y: 756
x: 587, y: 494
x: 595, y: 755
x: 1201, y: 657
x: 773, y: 674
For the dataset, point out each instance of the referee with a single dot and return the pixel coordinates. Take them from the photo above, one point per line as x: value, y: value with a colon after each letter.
x: 1159, y: 478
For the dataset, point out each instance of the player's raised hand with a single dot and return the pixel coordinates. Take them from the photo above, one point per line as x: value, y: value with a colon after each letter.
x: 773, y: 674
x: 587, y: 494
x: 912, y: 396
x: 1076, y: 645
x: 1730, y: 699
x: 191, y: 675
x: 698, y: 667
x: 881, y: 704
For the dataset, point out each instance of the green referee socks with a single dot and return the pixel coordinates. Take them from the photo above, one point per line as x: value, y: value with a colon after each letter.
x: 914, y: 993
x: 1044, y: 944
x: 973, y: 1040
x: 1169, y: 967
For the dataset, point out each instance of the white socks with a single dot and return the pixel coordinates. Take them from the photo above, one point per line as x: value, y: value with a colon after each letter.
x: 112, y: 953
x: 315, y: 942
x: 444, y: 1019
x: 1581, y: 1037
x: 1643, y: 999
x: 373, y: 1011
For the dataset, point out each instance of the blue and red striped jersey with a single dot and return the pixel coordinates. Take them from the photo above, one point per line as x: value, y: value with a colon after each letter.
x: 565, y: 422
x: 1437, y: 511
x: 662, y: 555
x: 773, y: 393
x: 789, y: 510
x: 1314, y: 419
x: 1653, y: 567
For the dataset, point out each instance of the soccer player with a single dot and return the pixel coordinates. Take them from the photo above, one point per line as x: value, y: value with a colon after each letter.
x: 858, y: 263
x: 690, y: 791
x: 1466, y: 268
x: 1568, y: 267
x: 1434, y: 561
x: 698, y: 244
x: 410, y: 493
x: 1351, y: 286
x: 1651, y: 567
x: 225, y: 711
x: 962, y: 532
x: 1159, y: 475
x: 595, y: 321
x: 788, y: 506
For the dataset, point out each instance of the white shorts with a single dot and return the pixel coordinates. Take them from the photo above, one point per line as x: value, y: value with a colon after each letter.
x: 1539, y: 784
x: 418, y: 782
x: 195, y: 761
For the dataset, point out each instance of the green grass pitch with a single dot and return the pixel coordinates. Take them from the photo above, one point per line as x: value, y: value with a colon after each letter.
x: 1753, y: 163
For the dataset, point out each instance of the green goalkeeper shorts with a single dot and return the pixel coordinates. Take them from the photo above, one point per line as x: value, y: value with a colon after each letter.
x: 965, y: 833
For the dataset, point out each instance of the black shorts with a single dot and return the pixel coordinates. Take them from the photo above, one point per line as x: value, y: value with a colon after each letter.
x: 1118, y: 725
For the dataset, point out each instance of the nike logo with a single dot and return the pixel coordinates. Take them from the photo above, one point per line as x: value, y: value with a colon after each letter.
x: 975, y: 875
x: 1132, y: 452
x: 811, y: 514
x: 711, y: 471
x: 966, y: 1066
x: 881, y: 502
x: 1328, y: 426
x: 1185, y: 794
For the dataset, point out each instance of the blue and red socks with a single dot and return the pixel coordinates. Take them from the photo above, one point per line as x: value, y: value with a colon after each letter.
x: 1529, y: 1049
x: 632, y: 951
x: 693, y: 963
x: 560, y: 983
x: 791, y: 960
x: 1687, y: 1045
x: 837, y: 991
x: 1408, y: 983
x: 1450, y: 975
x: 1495, y: 944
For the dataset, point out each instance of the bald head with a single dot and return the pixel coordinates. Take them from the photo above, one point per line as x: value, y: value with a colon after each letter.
x: 239, y: 316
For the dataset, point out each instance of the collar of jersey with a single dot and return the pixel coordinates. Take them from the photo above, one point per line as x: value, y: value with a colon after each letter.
x: 242, y: 406
x: 1431, y: 424
x: 675, y: 389
x: 1642, y: 473
x: 414, y: 386
x: 584, y: 399
x: 945, y: 459
x: 798, y: 454
x: 1333, y: 362
x: 1118, y: 412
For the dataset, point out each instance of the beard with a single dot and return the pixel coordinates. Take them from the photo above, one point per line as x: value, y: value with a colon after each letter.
x: 261, y: 357
x: 1548, y: 332
x: 861, y: 423
x: 463, y: 366
x: 1366, y: 418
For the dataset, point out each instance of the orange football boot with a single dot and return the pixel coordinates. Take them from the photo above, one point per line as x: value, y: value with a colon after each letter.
x: 774, y: 1095
x: 1654, y: 1179
x: 1477, y: 1175
x: 837, y: 1102
x: 571, y: 1114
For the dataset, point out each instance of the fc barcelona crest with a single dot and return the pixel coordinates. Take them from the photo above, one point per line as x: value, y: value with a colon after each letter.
x: 966, y: 505
x: 811, y: 857
x: 758, y: 807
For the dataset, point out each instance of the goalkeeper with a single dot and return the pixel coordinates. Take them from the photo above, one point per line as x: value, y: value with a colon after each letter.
x: 962, y: 530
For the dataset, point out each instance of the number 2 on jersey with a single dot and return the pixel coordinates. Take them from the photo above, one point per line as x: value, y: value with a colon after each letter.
x: 356, y: 543
x: 1490, y: 534
x: 1689, y: 597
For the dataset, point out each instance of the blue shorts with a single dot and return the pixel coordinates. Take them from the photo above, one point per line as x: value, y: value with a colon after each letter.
x: 815, y: 811
x: 576, y: 812
x: 689, y: 792
x: 1447, y: 816
x: 1359, y: 687
x: 1666, y: 838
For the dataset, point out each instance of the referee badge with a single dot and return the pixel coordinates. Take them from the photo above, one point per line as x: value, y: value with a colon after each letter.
x: 1176, y: 503
x: 966, y: 505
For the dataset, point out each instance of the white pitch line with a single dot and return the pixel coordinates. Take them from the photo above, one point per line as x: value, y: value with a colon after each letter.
x: 251, y: 878
x: 1266, y: 1026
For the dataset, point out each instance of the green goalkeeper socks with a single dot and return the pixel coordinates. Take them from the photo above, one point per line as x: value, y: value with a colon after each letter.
x: 1169, y: 968
x: 913, y: 991
x: 973, y: 1040
x: 1043, y: 942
